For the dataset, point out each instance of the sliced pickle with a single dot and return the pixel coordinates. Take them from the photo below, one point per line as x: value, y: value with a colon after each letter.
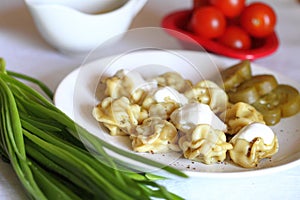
x: 236, y: 74
x: 271, y: 116
x: 289, y: 100
x: 283, y: 101
x: 248, y: 95
x: 251, y: 90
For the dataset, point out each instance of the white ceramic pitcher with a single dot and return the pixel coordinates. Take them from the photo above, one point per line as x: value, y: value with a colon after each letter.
x: 81, y: 25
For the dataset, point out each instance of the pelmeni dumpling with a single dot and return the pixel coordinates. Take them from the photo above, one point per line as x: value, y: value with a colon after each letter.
x: 252, y: 143
x: 119, y: 115
x: 155, y: 135
x: 162, y: 110
x: 163, y: 101
x: 128, y: 84
x: 204, y: 144
x: 174, y: 80
x: 209, y: 93
x: 239, y: 115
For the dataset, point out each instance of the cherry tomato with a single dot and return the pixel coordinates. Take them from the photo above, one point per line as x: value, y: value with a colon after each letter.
x: 230, y: 8
x: 208, y: 22
x: 258, y: 19
x: 236, y: 38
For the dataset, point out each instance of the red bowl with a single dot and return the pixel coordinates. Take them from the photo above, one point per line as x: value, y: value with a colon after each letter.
x: 176, y: 23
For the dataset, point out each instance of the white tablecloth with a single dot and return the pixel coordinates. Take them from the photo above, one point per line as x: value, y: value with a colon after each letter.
x: 25, y: 51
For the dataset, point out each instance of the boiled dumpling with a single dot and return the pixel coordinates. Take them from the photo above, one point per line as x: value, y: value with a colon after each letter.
x: 155, y: 135
x: 239, y: 115
x: 119, y: 115
x: 204, y: 144
x: 253, y: 143
x: 209, y: 93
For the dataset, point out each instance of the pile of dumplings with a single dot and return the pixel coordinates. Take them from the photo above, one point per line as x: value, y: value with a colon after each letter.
x: 170, y: 113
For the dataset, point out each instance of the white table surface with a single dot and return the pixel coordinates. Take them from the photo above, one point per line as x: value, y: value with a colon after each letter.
x: 25, y: 51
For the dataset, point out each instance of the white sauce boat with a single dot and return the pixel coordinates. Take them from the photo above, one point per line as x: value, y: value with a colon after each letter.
x: 74, y: 26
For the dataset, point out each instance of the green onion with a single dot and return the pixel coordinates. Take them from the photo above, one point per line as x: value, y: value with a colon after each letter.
x: 55, y: 158
x: 44, y: 88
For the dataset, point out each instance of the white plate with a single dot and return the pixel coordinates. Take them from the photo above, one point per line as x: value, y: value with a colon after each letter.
x: 78, y: 93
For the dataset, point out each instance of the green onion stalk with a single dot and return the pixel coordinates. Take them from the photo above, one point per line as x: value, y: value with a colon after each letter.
x: 46, y: 150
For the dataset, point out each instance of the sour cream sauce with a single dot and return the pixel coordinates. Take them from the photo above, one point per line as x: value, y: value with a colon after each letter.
x: 193, y: 114
x: 256, y: 130
x: 164, y: 93
x: 138, y: 81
